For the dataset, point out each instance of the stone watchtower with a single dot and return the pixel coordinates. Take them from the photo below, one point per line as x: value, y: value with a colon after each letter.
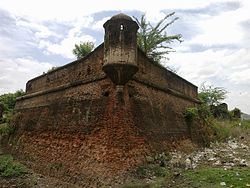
x: 120, y: 49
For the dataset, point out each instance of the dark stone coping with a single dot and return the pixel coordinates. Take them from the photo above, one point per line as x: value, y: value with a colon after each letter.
x: 62, y: 87
x: 167, y: 90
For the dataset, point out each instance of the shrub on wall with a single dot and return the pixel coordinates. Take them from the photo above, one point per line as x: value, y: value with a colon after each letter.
x: 190, y: 114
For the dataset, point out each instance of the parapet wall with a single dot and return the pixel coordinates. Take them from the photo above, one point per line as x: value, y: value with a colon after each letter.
x: 90, y: 69
x: 159, y: 76
x: 87, y: 68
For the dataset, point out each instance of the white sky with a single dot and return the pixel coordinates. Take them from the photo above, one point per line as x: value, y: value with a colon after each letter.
x: 36, y: 35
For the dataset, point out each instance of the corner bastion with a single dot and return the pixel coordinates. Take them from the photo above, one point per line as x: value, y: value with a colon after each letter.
x: 100, y: 116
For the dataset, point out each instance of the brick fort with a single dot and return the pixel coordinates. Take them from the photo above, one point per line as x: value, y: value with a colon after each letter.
x: 100, y: 116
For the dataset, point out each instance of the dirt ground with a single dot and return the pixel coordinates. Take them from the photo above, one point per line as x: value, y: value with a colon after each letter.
x: 225, y: 155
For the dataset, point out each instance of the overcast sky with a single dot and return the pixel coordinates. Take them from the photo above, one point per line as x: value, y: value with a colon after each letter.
x: 36, y: 35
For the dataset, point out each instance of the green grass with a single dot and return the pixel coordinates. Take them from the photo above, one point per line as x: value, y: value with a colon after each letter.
x: 244, y: 124
x: 149, y: 171
x: 212, y: 177
x: 10, y: 168
x: 206, y: 177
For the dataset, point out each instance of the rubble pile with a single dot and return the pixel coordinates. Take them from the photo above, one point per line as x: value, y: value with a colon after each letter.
x: 233, y: 153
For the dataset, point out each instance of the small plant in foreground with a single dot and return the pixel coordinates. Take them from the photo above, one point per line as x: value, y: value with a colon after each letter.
x: 6, y: 129
x: 162, y: 159
x: 10, y: 168
x: 155, y: 166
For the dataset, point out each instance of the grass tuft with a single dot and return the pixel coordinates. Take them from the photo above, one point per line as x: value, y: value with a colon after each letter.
x: 10, y: 168
x: 6, y: 129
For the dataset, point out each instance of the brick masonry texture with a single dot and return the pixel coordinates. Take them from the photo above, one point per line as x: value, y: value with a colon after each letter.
x: 74, y: 124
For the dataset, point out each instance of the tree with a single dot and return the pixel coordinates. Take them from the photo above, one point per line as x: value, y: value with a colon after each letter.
x: 7, y: 104
x: 154, y: 40
x: 210, y: 95
x: 83, y: 49
x: 9, y: 100
x: 236, y: 113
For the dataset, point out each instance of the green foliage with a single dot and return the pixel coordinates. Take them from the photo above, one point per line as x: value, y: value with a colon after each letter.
x: 155, y: 166
x: 9, y: 100
x: 52, y: 69
x: 191, y: 113
x: 210, y: 95
x: 206, y: 177
x: 154, y: 40
x: 245, y: 124
x: 224, y: 129
x: 220, y: 111
x: 221, y: 130
x: 204, y: 111
x: 9, y: 168
x: 7, y: 117
x: 212, y: 177
x: 83, y: 49
x: 161, y: 159
x: 6, y: 129
x: 235, y: 113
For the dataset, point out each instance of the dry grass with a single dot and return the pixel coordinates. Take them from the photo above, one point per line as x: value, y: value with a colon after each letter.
x: 224, y: 129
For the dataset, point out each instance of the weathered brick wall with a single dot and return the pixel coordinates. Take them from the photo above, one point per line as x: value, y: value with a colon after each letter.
x: 79, y: 125
x: 82, y: 69
x: 159, y: 114
x: 94, y: 136
x: 163, y: 78
x: 85, y: 69
x: 89, y: 135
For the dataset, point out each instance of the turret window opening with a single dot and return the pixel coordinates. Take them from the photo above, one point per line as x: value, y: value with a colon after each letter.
x: 122, y: 27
